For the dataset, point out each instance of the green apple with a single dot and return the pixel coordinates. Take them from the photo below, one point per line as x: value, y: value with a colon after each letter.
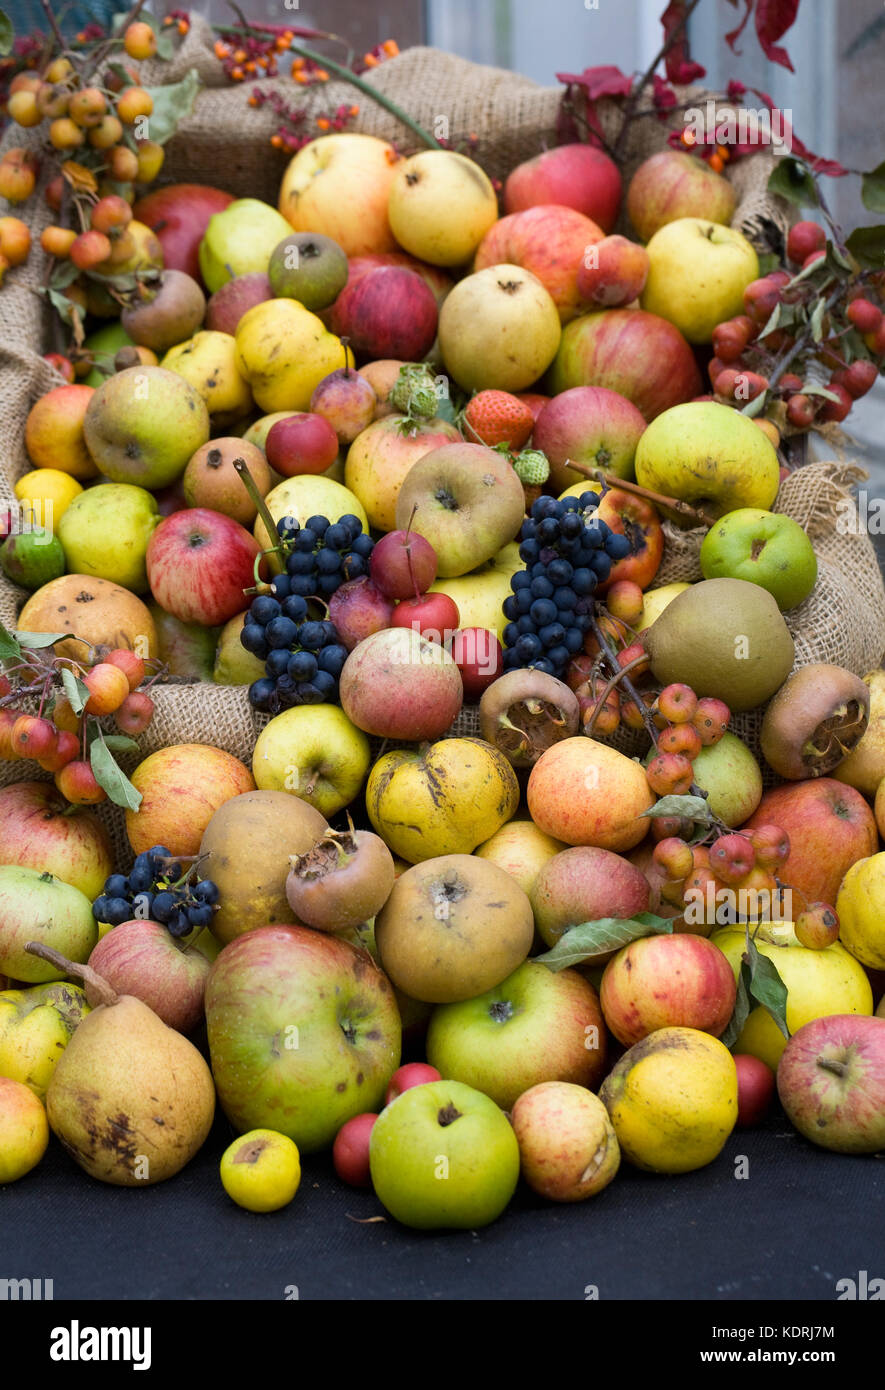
x: 240, y: 240
x: 443, y: 1155
x: 731, y: 777
x: 764, y: 548
x: 312, y: 751
x: 708, y: 453
x: 40, y: 907
x: 143, y: 424
x: 103, y: 346
x: 537, y: 1025
x: 697, y: 274
x: 818, y: 983
x: 105, y: 533
x: 480, y: 594
x: 32, y: 558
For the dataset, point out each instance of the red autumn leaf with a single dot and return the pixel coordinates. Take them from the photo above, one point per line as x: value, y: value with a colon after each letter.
x: 732, y: 37
x: 735, y: 89
x: 773, y: 19
x: 678, y: 65
x: 606, y: 81
x: 817, y: 163
x: 663, y: 95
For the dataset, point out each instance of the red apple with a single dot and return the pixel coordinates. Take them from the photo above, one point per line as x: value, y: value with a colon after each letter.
x: 350, y: 1152
x: 301, y: 443
x: 613, y: 272
x: 591, y: 425
x: 576, y: 176
x: 436, y: 279
x: 228, y: 305
x: 38, y: 830
x: 582, y: 885
x: 199, y: 563
x: 388, y: 312
x: 142, y: 959
x: 347, y: 400
x: 755, y: 1089
x: 412, y: 1074
x: 678, y: 981
x: 633, y: 516
x: 479, y: 657
x: 830, y: 827
x: 550, y: 241
x: 831, y: 1082
x: 670, y: 185
x: 357, y: 609
x: 180, y: 215
x: 637, y: 354
x: 403, y: 564
x: 533, y: 399
x: 434, y: 616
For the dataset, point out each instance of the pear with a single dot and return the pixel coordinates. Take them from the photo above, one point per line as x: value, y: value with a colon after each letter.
x: 723, y: 637
x: 130, y: 1098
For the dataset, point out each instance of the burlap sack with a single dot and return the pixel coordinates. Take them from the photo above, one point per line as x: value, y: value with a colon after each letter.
x: 226, y: 142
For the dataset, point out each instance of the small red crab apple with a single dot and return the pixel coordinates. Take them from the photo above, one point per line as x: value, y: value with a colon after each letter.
x: 412, y: 1074
x: 771, y: 843
x: 732, y: 858
x: 67, y: 748
x: 817, y: 927
x: 711, y: 719
x: 108, y: 687
x: 674, y: 856
x: 33, y: 737
x: 802, y: 239
x: 624, y: 601
x: 677, y: 703
x: 350, y: 1152
x: 130, y: 663
x: 669, y: 774
x: 608, y: 718
x: 77, y: 784
x: 135, y: 713
x: 680, y: 738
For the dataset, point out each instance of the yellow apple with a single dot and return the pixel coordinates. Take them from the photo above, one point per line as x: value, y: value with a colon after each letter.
x: 697, y: 275
x: 654, y: 602
x: 315, y: 753
x: 818, y: 983
x: 309, y: 494
x: 339, y: 185
x: 441, y: 205
x: 861, y: 909
x: 705, y: 452
x: 499, y: 329
x: 284, y: 351
x: 208, y: 361
x: 381, y: 456
x: 522, y: 849
x: 864, y: 768
x: 480, y: 594
x: 105, y: 533
x: 578, y: 489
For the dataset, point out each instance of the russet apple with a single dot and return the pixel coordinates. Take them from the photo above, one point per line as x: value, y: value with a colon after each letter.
x: 551, y: 242
x: 586, y: 793
x: 499, y: 328
x: 339, y: 185
x: 679, y: 981
x: 697, y: 274
x: 830, y: 827
x: 670, y: 185
x: 382, y: 455
x: 637, y: 354
x: 574, y: 176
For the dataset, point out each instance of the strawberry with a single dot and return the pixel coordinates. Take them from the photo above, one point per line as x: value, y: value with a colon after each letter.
x: 496, y: 417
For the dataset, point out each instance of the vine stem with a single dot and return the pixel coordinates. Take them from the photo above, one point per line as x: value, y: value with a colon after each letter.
x: 639, y: 88
x: 242, y: 468
x: 610, y: 684
x: 611, y: 655
x: 106, y: 995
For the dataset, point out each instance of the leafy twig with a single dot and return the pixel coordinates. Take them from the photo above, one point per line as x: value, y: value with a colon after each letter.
x: 802, y: 342
x: 640, y: 86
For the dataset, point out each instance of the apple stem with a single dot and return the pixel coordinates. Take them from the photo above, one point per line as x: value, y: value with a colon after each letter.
x: 310, y: 787
x: 831, y: 1064
x: 599, y: 475
x: 107, y: 995
x: 242, y: 469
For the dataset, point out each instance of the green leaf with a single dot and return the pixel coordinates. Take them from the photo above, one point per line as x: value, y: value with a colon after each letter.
x: 66, y: 309
x: 171, y: 105
x: 774, y: 319
x: 75, y: 690
x: 445, y: 410
x: 867, y: 245
x: 768, y: 262
x: 741, y: 1010
x: 694, y: 807
x: 817, y: 320
x: 120, y: 743
x: 63, y: 274
x: 767, y: 987
x: 10, y: 649
x: 755, y: 406
x: 872, y: 189
x: 589, y: 940
x: 836, y: 261
x: 111, y: 777
x: 821, y: 391
x: 40, y: 639
x: 793, y: 180
x: 6, y: 34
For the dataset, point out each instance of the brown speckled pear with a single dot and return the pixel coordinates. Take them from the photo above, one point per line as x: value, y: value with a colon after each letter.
x: 130, y: 1099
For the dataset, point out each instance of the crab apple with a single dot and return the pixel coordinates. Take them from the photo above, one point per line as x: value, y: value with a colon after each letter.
x: 434, y: 616
x: 110, y: 213
x: 865, y: 315
x: 857, y: 379
x: 122, y: 163
x: 604, y: 714
x: 402, y: 564
x: 63, y: 716
x: 761, y: 295
x: 789, y: 383
x: 579, y: 669
x: 711, y: 719
x: 731, y: 337
x: 732, y: 857
x: 624, y: 600
x: 18, y: 174
x: 15, y: 239
x: 140, y: 41
x: 677, y: 703
x: 301, y: 443
x: 89, y: 250
x: 53, y: 191
x: 52, y: 100
x: 667, y: 827
x: 802, y: 239
x: 812, y: 257
x: 412, y: 1074
x: 151, y: 157
x: 716, y: 366
x: 88, y: 107
x: 57, y: 241
x: 669, y: 774
x: 771, y: 844
x: 479, y: 657
x: 632, y: 715
x: 801, y: 411
x: 108, y: 687
x: 135, y: 713
x: 130, y: 663
x: 77, y: 784
x: 836, y: 410
x: 680, y: 738
x: 132, y: 103
x: 756, y: 1083
x: 23, y: 109
x: 817, y: 927
x: 8, y: 719
x: 33, y: 737
x: 674, y: 856
x: 350, y: 1152
x: 106, y: 134
x: 876, y: 341
x: 635, y: 652
x: 65, y: 134
x: 67, y: 748
x: 673, y: 891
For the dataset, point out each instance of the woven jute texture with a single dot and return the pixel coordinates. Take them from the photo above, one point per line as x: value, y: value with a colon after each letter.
x: 226, y: 142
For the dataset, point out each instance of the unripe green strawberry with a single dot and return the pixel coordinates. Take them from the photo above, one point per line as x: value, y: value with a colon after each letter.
x: 531, y: 467
x: 414, y: 392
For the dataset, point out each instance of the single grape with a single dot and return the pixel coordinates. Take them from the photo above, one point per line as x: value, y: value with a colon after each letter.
x: 302, y: 666
x: 520, y: 580
x: 281, y: 587
x: 559, y: 657
x: 179, y: 923
x: 528, y: 648
x: 253, y: 639
x: 544, y: 664
x: 288, y: 691
x: 206, y: 891
x: 565, y: 599
x: 552, y: 635
x: 303, y: 585
x: 117, y: 910
x: 559, y: 572
x: 277, y: 661
x: 326, y: 684
x: 263, y: 608
x: 363, y: 545
x: 541, y: 587
x: 281, y: 632
x: 164, y: 905
x: 310, y: 695
x: 524, y: 601
x: 583, y: 581
x: 327, y: 561
x: 288, y: 526
x: 594, y: 534
x: 601, y: 565
x: 201, y: 915
x: 510, y: 634
x: 617, y: 546
x: 328, y: 584
x: 117, y: 886
x: 100, y: 907
x: 525, y: 624
x: 571, y: 526
x: 353, y: 524
x: 318, y: 524
x: 295, y: 608
x: 141, y: 877
x: 529, y: 551
x: 543, y: 507
x: 307, y: 540
x: 353, y: 566
x: 332, y: 659
x: 548, y: 530
x: 543, y: 611
x: 337, y: 537
x: 574, y: 640
x: 311, y: 636
x: 261, y: 693
x: 300, y: 563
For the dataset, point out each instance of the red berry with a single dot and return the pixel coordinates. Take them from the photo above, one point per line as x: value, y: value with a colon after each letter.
x: 857, y: 379
x: 802, y: 239
x: 135, y: 713
x: 801, y: 411
x: 130, y: 663
x: 771, y: 843
x: 865, y: 316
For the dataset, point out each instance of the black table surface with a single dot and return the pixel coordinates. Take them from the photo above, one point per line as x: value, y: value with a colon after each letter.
x: 773, y: 1218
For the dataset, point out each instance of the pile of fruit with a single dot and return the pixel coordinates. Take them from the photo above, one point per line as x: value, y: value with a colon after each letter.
x: 379, y: 454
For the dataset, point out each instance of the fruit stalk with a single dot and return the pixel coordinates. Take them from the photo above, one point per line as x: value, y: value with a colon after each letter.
x: 599, y: 475
x: 242, y: 468
x: 106, y: 994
